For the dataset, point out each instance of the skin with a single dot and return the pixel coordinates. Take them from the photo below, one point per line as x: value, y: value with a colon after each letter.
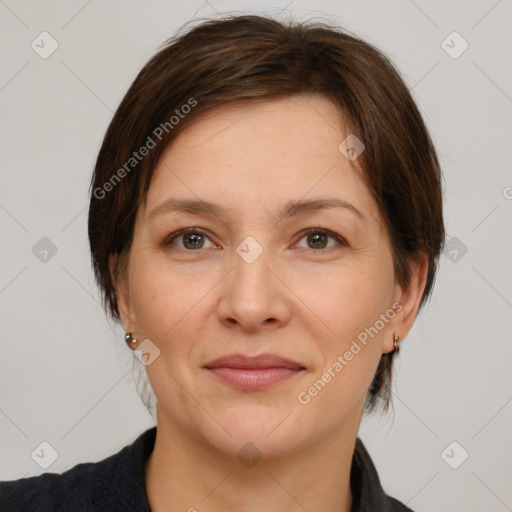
x: 295, y: 300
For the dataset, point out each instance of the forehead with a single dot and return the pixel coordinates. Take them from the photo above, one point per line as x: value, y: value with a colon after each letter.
x: 278, y: 124
x: 267, y: 153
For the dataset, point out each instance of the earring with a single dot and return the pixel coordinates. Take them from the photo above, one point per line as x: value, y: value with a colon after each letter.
x: 129, y: 339
x: 396, y: 339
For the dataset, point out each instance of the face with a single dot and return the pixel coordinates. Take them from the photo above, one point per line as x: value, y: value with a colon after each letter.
x: 256, y: 273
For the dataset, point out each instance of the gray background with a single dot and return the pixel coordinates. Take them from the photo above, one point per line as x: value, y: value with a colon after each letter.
x: 65, y: 374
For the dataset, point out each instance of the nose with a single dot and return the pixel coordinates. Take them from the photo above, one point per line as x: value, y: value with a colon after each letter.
x: 254, y: 296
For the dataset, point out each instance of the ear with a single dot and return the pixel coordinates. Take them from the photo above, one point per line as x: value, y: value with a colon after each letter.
x: 122, y: 289
x: 409, y: 298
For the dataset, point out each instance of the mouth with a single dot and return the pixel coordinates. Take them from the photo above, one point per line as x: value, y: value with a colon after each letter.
x: 253, y: 373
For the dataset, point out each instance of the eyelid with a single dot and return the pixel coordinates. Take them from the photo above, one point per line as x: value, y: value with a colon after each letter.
x: 341, y: 240
x: 176, y: 234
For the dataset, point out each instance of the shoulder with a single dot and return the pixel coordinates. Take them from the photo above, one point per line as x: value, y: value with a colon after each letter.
x: 89, y: 486
x: 51, y: 491
x: 396, y: 506
x: 114, y: 483
x: 366, y: 486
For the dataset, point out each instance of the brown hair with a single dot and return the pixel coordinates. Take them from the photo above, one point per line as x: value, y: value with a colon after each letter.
x: 253, y: 58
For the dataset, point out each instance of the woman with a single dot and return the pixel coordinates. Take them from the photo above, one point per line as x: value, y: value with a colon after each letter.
x: 265, y: 222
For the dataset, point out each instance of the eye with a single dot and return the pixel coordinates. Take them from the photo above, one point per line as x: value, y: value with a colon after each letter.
x: 191, y: 238
x: 318, y: 238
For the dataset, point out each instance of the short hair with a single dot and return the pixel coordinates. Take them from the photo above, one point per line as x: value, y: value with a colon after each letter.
x: 244, y: 58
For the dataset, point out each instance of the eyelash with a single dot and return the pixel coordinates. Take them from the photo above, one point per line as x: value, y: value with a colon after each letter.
x: 341, y: 241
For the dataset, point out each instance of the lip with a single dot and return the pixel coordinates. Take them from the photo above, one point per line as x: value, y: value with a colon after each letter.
x: 241, y: 361
x: 253, y: 373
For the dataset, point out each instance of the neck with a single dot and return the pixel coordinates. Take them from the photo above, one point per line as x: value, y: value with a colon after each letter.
x: 187, y: 474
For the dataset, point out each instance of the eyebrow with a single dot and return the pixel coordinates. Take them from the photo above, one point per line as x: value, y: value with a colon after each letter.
x: 290, y: 209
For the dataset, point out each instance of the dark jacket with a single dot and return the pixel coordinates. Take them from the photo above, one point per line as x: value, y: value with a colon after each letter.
x: 116, y: 484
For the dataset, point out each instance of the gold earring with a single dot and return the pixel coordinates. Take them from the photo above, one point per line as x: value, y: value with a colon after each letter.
x: 396, y: 339
x: 129, y: 339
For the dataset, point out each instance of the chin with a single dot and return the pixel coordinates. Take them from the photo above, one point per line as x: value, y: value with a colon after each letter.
x: 270, y: 431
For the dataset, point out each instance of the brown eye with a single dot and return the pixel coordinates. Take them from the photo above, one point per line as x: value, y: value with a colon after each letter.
x: 318, y: 239
x: 191, y: 239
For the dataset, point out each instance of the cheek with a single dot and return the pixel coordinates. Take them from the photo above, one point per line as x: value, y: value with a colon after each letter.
x: 158, y: 300
x: 350, y: 334
x: 348, y: 341
x: 349, y: 298
x: 169, y: 304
